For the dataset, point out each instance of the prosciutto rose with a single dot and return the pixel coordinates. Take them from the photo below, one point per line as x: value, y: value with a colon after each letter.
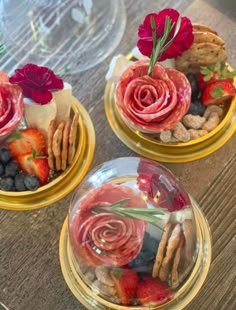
x: 106, y: 238
x: 152, y: 103
x: 11, y: 108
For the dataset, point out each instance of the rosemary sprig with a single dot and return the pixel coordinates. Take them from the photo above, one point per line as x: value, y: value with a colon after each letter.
x: 144, y: 214
x: 160, y: 45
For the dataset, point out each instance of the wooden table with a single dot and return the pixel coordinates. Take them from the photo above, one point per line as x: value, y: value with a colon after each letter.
x: 30, y: 275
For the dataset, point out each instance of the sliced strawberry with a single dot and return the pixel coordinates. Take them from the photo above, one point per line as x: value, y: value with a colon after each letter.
x: 202, y: 83
x: 151, y: 292
x: 214, y: 72
x: 126, y: 281
x: 34, y: 165
x: 218, y: 92
x: 26, y: 140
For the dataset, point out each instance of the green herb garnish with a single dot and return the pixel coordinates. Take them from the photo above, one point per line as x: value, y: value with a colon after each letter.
x: 144, y: 214
x: 160, y: 45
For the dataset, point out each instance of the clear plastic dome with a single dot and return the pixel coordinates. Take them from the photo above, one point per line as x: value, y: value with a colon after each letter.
x: 66, y: 35
x: 132, y: 232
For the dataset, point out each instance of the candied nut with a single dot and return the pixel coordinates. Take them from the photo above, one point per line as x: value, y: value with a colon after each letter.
x: 212, y: 122
x: 103, y: 289
x: 181, y: 133
x: 89, y: 276
x: 115, y: 299
x: 165, y: 136
x: 193, y: 121
x: 103, y: 275
x: 213, y: 108
x: 197, y: 133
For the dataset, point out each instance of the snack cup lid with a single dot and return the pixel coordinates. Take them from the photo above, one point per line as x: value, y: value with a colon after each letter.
x: 132, y: 232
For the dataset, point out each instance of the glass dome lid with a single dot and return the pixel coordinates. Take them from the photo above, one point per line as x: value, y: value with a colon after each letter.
x: 69, y: 36
x: 132, y: 232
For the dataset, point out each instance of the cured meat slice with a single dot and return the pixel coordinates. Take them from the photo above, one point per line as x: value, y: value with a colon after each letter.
x: 11, y: 107
x: 182, y: 86
x: 106, y: 238
x: 152, y: 103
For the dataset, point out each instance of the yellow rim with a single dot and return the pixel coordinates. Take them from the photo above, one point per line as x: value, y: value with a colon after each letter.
x: 67, y: 181
x: 183, y: 297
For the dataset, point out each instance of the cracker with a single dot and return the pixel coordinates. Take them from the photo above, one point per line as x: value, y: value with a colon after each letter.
x: 202, y: 27
x: 172, y: 246
x: 200, y: 54
x: 210, y: 37
x: 175, y: 273
x: 51, y: 130
x: 72, y: 138
x: 65, y: 145
x: 189, y: 235
x: 57, y: 144
x: 161, y: 250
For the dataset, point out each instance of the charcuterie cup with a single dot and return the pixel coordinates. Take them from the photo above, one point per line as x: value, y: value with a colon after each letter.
x: 134, y: 238
x: 125, y: 107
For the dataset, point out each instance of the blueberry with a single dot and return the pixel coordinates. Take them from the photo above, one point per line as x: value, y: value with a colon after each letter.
x: 5, y: 156
x: 196, y: 108
x: 2, y: 170
x: 12, y: 169
x: 194, y: 85
x: 139, y: 261
x: 19, y: 182
x: 7, y: 184
x: 149, y: 245
x: 31, y: 182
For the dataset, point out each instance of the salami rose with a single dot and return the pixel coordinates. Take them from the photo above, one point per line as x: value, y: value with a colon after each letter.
x: 106, y: 238
x: 11, y: 108
x: 152, y: 103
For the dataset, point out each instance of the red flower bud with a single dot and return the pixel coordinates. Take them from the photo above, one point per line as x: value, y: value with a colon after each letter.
x: 181, y: 43
x: 37, y: 82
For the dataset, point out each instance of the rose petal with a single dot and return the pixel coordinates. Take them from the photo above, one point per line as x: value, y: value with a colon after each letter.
x: 41, y: 97
x: 36, y: 82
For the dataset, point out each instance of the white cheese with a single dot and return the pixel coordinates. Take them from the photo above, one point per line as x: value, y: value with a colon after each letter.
x: 117, y: 66
x: 39, y: 116
x: 63, y: 99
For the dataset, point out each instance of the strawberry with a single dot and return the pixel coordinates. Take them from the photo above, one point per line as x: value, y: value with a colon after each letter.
x: 214, y: 72
x: 126, y: 281
x: 23, y: 141
x: 218, y: 92
x: 32, y: 164
x: 151, y: 292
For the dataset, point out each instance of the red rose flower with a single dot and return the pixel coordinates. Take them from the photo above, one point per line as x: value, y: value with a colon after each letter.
x: 181, y: 43
x: 37, y: 82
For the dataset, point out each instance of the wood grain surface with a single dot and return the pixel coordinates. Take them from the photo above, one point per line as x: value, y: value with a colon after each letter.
x: 30, y: 275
